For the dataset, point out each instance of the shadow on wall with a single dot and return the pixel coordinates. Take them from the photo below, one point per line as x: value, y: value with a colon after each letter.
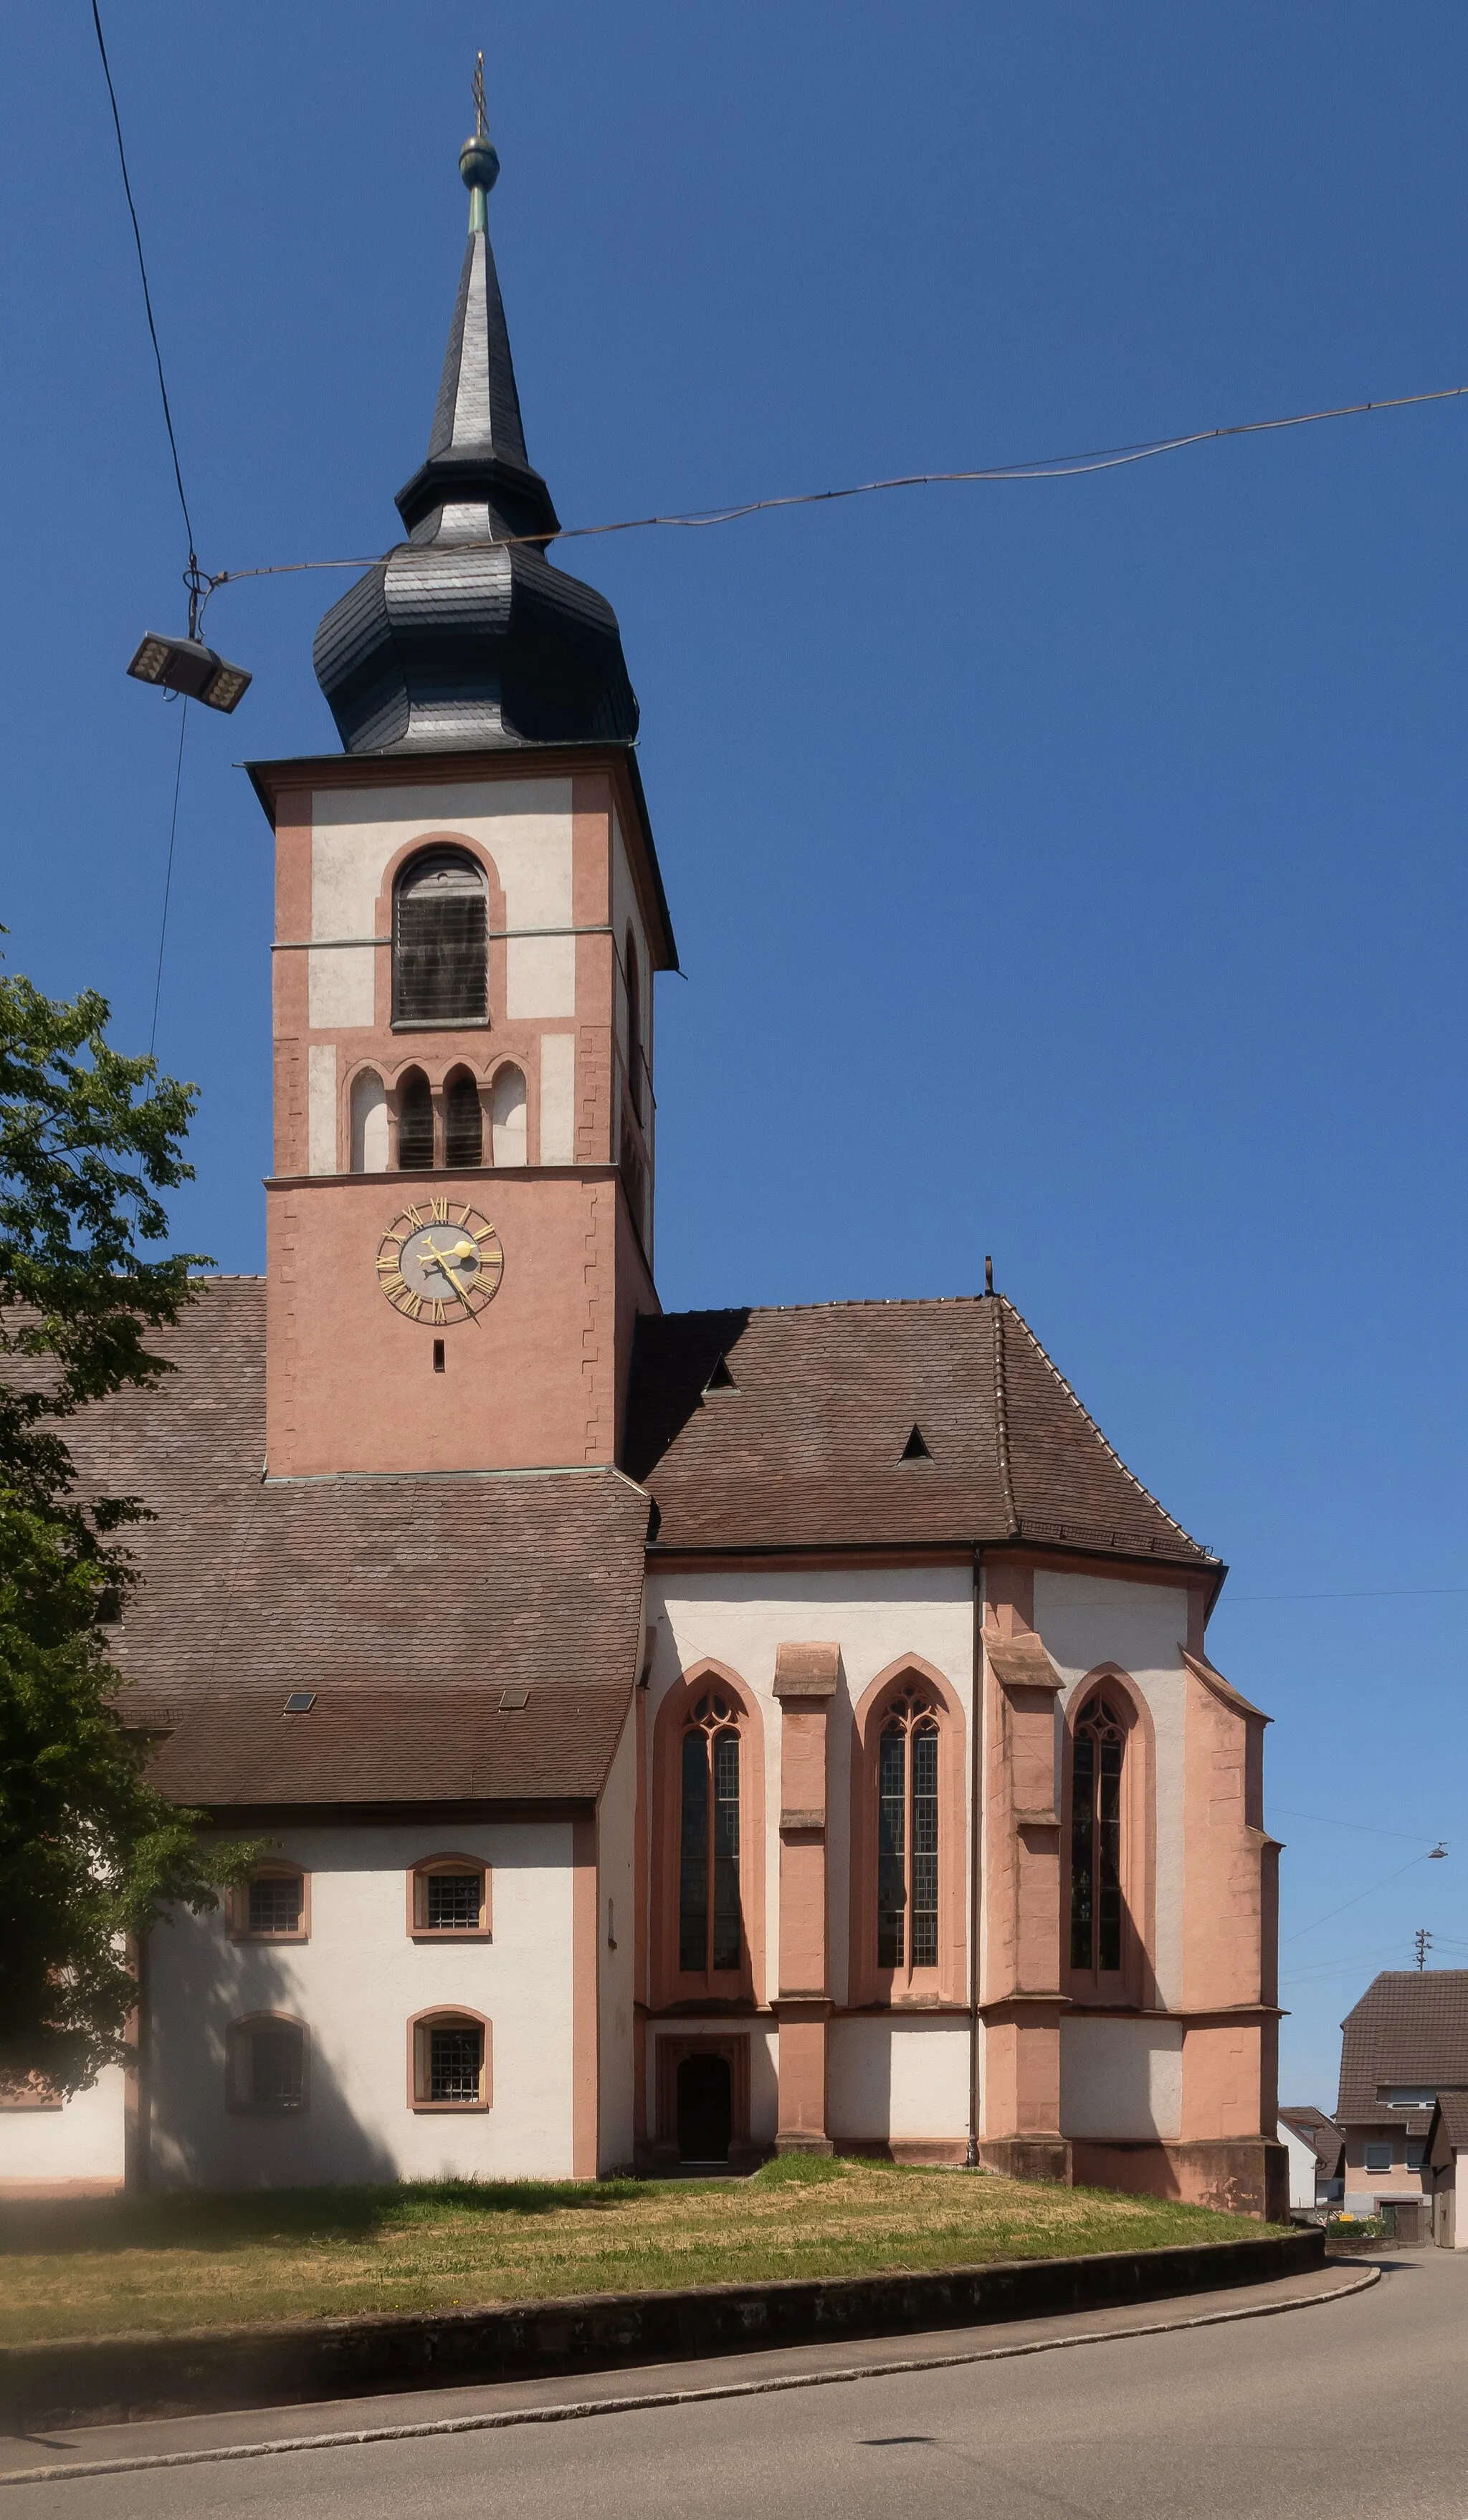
x: 204, y: 2128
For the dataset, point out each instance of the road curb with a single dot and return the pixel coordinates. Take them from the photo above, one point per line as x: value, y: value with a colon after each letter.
x: 576, y: 2410
x: 122, y: 2380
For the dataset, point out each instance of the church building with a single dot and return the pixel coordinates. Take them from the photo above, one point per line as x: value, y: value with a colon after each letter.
x: 675, y: 1737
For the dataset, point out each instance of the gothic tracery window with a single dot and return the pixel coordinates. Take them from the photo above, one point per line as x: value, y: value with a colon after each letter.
x: 709, y: 1915
x: 1096, y: 1836
x: 907, y: 1835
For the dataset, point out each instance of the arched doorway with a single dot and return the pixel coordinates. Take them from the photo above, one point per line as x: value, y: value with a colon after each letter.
x: 705, y: 2108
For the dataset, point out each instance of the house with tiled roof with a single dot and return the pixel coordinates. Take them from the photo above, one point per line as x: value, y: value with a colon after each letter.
x: 1446, y: 2156
x: 1316, y: 2150
x: 672, y: 1736
x: 1404, y: 2043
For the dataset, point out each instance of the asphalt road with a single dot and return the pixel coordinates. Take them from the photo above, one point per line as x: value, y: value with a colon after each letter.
x: 1352, y: 2409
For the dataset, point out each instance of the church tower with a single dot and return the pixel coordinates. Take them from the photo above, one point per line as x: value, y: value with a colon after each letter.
x: 469, y: 915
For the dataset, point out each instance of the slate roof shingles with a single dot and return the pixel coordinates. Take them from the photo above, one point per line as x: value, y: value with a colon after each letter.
x: 806, y: 1450
x: 408, y: 1603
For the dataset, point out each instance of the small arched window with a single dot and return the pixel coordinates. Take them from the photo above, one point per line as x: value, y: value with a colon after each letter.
x: 634, y: 1027
x: 711, y: 1922
x: 448, y: 2061
x: 507, y: 1118
x: 415, y: 1123
x: 463, y: 1123
x: 1096, y: 1836
x: 440, y: 941
x: 271, y: 1904
x: 369, y: 1123
x: 265, y: 2064
x: 907, y: 1835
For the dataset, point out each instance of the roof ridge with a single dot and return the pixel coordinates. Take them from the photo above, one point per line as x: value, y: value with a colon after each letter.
x: 831, y: 1304
x: 1001, y: 1418
x: 1075, y: 1398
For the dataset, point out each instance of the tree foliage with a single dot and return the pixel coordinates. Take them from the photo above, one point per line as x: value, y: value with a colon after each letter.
x: 90, y: 1854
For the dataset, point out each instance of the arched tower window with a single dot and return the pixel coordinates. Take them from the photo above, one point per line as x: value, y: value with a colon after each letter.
x: 463, y: 1123
x: 711, y: 1922
x: 634, y: 1027
x: 415, y: 1123
x: 1096, y: 1836
x: 440, y: 944
x: 507, y: 1118
x: 369, y: 1123
x: 907, y: 1833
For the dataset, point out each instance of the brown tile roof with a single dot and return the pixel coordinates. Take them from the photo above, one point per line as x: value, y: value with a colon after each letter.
x: 1409, y: 2027
x: 806, y: 1449
x: 1321, y: 2132
x: 1451, y: 2112
x: 408, y: 1603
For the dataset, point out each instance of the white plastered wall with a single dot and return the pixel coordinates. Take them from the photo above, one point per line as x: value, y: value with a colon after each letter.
x: 524, y: 825
x: 1120, y: 2080
x: 877, y: 1618
x: 898, y: 2080
x: 80, y: 2144
x: 616, y: 1947
x: 1304, y: 2164
x: 355, y: 1985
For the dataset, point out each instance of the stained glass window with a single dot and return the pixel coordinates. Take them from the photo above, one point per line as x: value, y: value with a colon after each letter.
x: 1096, y: 1839
x: 907, y: 1837
x: 711, y: 1922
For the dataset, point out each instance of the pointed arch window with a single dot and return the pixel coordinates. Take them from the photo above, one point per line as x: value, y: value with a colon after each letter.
x: 908, y: 1834
x: 1096, y: 1763
x: 441, y: 942
x: 711, y: 1920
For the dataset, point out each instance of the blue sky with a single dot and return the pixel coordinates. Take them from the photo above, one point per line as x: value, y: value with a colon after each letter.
x: 1072, y: 870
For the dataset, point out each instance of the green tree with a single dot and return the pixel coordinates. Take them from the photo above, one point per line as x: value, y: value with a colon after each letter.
x: 90, y: 1854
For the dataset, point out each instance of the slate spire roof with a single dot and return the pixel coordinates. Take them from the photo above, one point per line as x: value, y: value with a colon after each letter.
x: 465, y: 636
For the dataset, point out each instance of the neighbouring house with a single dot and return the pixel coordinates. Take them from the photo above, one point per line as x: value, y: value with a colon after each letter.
x: 1447, y: 2168
x: 1405, y: 2043
x: 1315, y: 2146
x: 676, y: 1737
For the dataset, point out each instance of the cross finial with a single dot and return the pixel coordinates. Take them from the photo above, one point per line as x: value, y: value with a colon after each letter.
x: 478, y: 158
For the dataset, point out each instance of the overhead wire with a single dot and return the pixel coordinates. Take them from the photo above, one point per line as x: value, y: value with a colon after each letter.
x: 1058, y: 467
x: 194, y: 577
x: 158, y: 982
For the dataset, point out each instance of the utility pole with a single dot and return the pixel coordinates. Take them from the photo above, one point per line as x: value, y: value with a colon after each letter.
x: 1424, y: 1942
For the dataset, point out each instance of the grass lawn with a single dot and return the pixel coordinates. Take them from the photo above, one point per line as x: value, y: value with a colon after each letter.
x: 148, y: 2263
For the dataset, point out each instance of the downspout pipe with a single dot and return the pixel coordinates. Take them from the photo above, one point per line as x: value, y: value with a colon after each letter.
x: 975, y: 1867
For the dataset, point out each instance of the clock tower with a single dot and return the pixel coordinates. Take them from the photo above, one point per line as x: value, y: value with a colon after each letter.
x: 469, y: 915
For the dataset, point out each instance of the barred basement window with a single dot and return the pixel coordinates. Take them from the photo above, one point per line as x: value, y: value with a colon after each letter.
x: 266, y: 2065
x: 415, y: 1123
x: 907, y: 1836
x: 710, y: 1916
x: 449, y: 2061
x: 1096, y: 1838
x: 463, y: 1123
x: 440, y: 951
x: 448, y: 1899
x: 275, y: 1903
x: 271, y: 1904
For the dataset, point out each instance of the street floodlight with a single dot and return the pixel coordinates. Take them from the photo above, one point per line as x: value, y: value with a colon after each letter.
x: 186, y: 666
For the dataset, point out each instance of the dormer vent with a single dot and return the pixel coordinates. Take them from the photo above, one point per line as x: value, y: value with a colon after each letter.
x: 915, y: 1449
x: 721, y: 1380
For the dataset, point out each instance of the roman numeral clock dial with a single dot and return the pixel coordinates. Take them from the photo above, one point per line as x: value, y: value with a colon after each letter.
x: 440, y: 1267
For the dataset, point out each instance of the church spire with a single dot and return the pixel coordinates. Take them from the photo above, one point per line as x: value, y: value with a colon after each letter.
x: 465, y: 636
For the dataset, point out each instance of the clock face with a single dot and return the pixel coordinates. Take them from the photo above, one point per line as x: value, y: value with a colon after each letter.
x: 442, y: 1266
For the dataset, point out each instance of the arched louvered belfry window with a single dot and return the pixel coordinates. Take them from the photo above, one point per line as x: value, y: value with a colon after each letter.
x: 415, y: 1123
x: 463, y: 1123
x: 710, y: 1924
x: 1096, y: 1836
x: 441, y: 942
x: 908, y: 1851
x: 634, y: 1027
